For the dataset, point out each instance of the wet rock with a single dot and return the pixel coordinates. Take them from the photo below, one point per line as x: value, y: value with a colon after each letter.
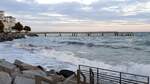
x: 5, y: 78
x: 6, y: 66
x: 51, y: 72
x: 40, y: 67
x: 66, y: 73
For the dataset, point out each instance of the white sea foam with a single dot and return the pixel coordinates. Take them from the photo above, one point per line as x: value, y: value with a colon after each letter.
x: 66, y: 57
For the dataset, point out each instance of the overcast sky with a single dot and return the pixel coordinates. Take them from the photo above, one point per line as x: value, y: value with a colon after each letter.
x: 80, y: 15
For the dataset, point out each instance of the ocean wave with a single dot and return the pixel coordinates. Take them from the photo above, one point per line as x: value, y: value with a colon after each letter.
x: 94, y: 45
x: 73, y: 42
x: 30, y: 47
x: 54, y: 59
x: 143, y: 43
x: 71, y: 59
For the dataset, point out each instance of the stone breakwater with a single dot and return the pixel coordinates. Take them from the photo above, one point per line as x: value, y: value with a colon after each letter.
x: 23, y: 73
x: 12, y: 36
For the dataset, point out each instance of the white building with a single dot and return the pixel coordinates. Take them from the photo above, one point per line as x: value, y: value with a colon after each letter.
x: 8, y: 21
x: 1, y: 15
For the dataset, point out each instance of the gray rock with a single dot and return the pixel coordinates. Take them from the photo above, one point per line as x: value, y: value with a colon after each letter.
x: 15, y: 73
x: 5, y: 78
x: 26, y: 80
x: 33, y: 73
x: 6, y: 66
x: 23, y: 80
x: 25, y: 66
x: 56, y: 78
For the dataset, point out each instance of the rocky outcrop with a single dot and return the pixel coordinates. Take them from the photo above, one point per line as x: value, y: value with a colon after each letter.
x: 14, y: 35
x: 10, y: 36
x: 23, y: 73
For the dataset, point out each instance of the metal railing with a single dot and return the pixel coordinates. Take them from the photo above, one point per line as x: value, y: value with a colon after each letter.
x: 94, y: 75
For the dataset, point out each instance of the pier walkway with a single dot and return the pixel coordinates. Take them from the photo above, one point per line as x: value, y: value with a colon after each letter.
x: 75, y: 34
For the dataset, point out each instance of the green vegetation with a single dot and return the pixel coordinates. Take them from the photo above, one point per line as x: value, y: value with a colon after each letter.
x: 18, y: 27
x: 1, y: 27
x: 27, y: 29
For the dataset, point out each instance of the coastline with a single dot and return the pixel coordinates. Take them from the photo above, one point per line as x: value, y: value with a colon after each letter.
x: 11, y: 36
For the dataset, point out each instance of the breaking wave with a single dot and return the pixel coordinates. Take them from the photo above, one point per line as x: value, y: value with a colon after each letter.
x: 53, y: 53
x: 100, y: 45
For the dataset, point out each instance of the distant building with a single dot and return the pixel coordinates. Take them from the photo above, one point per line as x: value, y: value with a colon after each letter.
x: 1, y: 15
x: 8, y: 21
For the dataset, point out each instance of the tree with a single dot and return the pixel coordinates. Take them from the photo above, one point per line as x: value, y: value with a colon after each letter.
x: 1, y: 27
x: 27, y: 28
x: 18, y: 26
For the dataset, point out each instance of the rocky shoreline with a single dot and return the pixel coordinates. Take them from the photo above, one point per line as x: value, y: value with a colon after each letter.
x: 12, y: 36
x: 23, y: 73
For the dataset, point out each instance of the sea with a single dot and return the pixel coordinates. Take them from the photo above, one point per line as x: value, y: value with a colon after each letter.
x: 120, y: 53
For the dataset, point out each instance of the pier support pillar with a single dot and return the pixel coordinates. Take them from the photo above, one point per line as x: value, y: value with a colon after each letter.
x: 102, y: 34
x: 45, y: 34
x: 59, y: 34
x: 89, y: 34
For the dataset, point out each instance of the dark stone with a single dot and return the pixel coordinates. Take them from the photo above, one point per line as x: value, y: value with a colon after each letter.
x: 32, y: 35
x: 66, y: 73
x: 51, y: 72
x: 40, y: 67
x: 10, y: 36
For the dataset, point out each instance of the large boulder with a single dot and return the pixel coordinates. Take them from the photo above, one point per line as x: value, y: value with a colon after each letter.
x: 25, y: 66
x: 15, y: 73
x: 6, y: 66
x: 5, y: 78
x: 26, y: 80
x: 66, y: 73
x: 23, y: 80
x: 33, y: 73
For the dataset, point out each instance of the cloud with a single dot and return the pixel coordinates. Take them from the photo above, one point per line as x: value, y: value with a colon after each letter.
x: 49, y: 12
x: 86, y: 2
x: 136, y: 8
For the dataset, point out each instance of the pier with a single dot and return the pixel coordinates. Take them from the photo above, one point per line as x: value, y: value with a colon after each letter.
x: 75, y: 34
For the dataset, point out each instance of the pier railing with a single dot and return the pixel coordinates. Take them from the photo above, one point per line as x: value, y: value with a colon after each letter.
x: 94, y: 75
x: 76, y: 34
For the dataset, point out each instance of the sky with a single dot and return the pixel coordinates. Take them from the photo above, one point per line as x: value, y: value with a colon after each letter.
x: 80, y: 15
